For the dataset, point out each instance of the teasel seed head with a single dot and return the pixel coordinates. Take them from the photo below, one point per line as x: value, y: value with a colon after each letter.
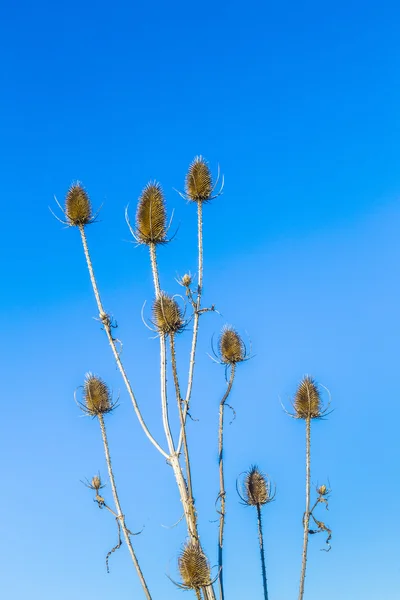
x: 96, y: 483
x: 322, y: 490
x: 186, y: 280
x: 257, y: 488
x: 307, y: 401
x: 199, y: 184
x: 97, y: 396
x: 194, y: 567
x: 167, y: 314
x: 231, y: 346
x: 78, y: 209
x: 151, y: 216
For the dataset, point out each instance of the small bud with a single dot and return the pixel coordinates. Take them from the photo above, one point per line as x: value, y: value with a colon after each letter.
x: 193, y: 567
x: 199, y: 185
x: 231, y: 346
x: 151, y: 216
x: 307, y: 402
x: 257, y: 489
x: 96, y: 483
x: 167, y: 314
x: 186, y: 280
x: 96, y: 395
x: 322, y: 490
x: 77, y: 206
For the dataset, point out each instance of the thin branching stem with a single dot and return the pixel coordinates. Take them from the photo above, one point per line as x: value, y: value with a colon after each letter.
x: 196, y: 316
x: 120, y: 515
x: 306, y: 519
x: 222, y: 492
x: 181, y: 419
x: 198, y: 594
x: 105, y: 319
x: 262, y: 553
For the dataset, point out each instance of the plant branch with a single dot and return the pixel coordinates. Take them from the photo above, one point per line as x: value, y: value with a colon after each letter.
x: 306, y: 518
x: 105, y: 319
x: 120, y: 515
x: 262, y: 554
x: 222, y: 492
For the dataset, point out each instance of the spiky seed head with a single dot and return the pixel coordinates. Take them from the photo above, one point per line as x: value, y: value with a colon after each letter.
x: 256, y: 488
x: 322, y: 490
x: 96, y: 395
x: 167, y: 315
x: 186, y: 280
x: 78, y: 209
x: 231, y: 346
x: 307, y: 402
x: 199, y: 185
x: 96, y: 483
x: 151, y: 216
x: 194, y: 567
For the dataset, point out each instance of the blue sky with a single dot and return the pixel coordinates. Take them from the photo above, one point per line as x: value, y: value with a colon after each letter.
x: 299, y: 106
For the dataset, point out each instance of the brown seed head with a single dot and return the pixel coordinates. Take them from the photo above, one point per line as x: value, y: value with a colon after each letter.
x: 167, y: 315
x: 199, y: 185
x: 97, y: 395
x: 96, y: 483
x: 186, y: 280
x: 307, y: 402
x: 256, y: 488
x: 151, y: 216
x: 231, y: 346
x: 193, y: 567
x: 77, y: 206
x: 322, y: 490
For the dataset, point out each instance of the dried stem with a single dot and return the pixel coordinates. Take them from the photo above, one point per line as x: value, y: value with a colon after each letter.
x: 198, y: 594
x: 222, y: 492
x: 196, y: 317
x: 120, y: 515
x: 105, y: 319
x: 306, y: 518
x: 262, y: 554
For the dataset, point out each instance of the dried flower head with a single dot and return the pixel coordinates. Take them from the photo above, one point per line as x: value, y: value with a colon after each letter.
x: 199, y: 185
x: 322, y: 490
x: 257, y: 488
x: 193, y: 567
x: 97, y: 397
x: 151, y: 216
x: 96, y: 483
x: 307, y: 402
x: 78, y: 209
x: 186, y: 280
x: 167, y: 315
x: 231, y: 346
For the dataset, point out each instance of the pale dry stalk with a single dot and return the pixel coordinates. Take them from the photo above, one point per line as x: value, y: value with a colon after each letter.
x: 262, y: 554
x: 306, y: 519
x: 120, y: 515
x: 222, y: 492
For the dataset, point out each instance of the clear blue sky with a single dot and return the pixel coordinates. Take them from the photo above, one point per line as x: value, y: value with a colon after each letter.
x: 299, y: 103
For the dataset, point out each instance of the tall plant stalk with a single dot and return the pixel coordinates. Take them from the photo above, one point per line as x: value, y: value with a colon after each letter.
x: 262, y: 553
x: 222, y: 492
x: 306, y: 519
x: 120, y: 514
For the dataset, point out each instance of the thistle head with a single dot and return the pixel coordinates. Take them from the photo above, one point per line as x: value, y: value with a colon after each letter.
x: 151, y: 216
x: 194, y: 567
x: 78, y: 209
x: 307, y: 401
x: 199, y: 184
x: 97, y: 397
x: 167, y: 314
x: 231, y: 346
x: 257, y: 488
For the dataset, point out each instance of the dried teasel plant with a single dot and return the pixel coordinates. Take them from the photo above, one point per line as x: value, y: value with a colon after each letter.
x: 257, y: 491
x: 169, y: 320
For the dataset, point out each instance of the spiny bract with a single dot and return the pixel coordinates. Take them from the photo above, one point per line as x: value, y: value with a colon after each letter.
x: 199, y: 185
x: 151, y: 215
x: 193, y: 567
x: 78, y: 209
x: 97, y: 395
x: 256, y: 488
x: 231, y: 347
x: 307, y: 402
x: 167, y: 314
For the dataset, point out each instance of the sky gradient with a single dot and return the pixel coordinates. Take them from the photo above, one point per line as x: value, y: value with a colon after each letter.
x: 299, y: 106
